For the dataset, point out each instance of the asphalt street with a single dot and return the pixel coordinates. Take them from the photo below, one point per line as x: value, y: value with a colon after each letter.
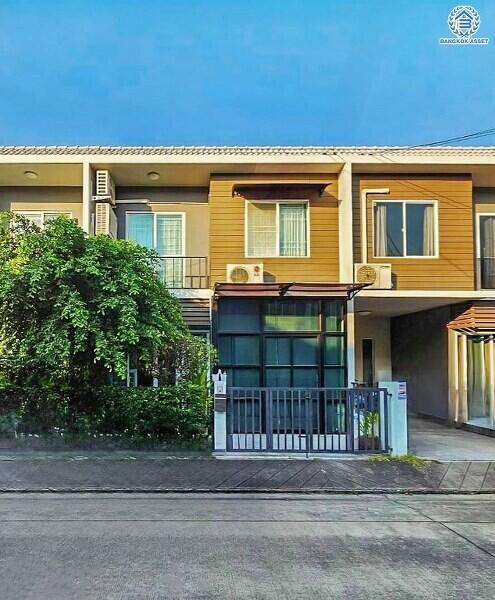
x: 144, y: 546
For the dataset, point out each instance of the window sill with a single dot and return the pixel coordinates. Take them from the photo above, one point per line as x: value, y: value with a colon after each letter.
x: 277, y: 256
x: 391, y: 258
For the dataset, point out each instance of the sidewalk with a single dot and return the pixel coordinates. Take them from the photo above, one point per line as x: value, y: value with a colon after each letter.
x: 155, y: 472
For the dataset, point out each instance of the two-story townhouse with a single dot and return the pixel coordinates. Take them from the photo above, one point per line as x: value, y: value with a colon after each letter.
x: 269, y: 250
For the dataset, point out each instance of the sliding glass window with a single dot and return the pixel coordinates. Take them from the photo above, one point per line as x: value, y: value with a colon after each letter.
x: 405, y: 229
x: 163, y: 232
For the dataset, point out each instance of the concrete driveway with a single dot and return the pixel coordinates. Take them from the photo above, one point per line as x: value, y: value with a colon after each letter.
x: 439, y: 442
x: 118, y: 547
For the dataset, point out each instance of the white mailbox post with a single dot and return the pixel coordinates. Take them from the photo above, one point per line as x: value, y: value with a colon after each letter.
x: 397, y: 416
x: 220, y: 411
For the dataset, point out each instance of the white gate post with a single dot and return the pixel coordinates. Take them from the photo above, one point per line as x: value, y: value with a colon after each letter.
x: 220, y: 411
x: 397, y: 416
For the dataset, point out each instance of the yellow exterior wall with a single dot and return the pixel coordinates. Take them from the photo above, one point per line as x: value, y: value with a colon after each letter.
x: 52, y: 199
x: 227, y: 225
x: 454, y: 269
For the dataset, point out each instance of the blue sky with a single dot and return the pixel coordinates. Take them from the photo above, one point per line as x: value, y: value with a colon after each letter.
x: 240, y: 72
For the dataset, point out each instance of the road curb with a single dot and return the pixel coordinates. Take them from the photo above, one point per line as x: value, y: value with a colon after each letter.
x: 254, y: 491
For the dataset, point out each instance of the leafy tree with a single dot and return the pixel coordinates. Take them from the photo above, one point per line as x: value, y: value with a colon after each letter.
x: 73, y: 307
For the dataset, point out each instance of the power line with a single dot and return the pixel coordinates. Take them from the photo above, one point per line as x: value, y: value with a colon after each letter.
x: 460, y: 138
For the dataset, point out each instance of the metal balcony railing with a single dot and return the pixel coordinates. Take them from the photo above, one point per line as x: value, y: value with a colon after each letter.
x: 184, y: 272
x: 485, y: 268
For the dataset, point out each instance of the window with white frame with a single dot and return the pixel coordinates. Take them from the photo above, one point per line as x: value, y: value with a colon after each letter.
x: 405, y: 228
x: 40, y: 217
x: 163, y: 232
x: 277, y: 228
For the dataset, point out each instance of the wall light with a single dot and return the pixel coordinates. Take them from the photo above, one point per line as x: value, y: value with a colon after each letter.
x: 31, y: 174
x: 153, y: 175
x: 364, y: 313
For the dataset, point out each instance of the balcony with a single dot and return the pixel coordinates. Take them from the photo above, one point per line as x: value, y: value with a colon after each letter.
x: 184, y: 272
x: 485, y: 272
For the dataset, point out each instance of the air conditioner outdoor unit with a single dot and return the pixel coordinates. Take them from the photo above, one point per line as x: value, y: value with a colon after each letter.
x: 378, y: 276
x: 105, y: 187
x: 105, y: 220
x: 250, y: 273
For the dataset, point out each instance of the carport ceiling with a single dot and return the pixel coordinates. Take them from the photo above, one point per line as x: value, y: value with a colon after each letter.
x: 393, y: 307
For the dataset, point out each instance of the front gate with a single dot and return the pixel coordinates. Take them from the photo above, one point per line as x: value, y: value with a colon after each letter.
x: 306, y: 420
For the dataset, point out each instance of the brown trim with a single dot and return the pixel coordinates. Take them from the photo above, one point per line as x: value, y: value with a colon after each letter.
x: 477, y: 319
x: 277, y: 290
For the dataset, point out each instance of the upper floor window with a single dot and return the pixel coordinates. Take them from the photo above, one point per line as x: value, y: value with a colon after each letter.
x: 41, y: 217
x: 277, y: 228
x: 405, y: 228
x: 163, y: 232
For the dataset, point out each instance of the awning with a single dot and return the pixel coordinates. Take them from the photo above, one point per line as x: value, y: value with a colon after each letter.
x: 283, y: 290
x: 478, y: 319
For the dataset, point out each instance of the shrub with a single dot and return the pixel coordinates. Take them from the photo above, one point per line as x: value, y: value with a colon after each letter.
x: 179, y: 412
x: 171, y: 412
x: 38, y: 409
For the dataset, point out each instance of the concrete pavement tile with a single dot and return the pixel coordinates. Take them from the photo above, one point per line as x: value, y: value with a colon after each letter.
x: 470, y: 509
x: 210, y: 508
x: 489, y: 483
x: 300, y: 479
x: 192, y: 560
x: 286, y: 474
x: 482, y: 535
x: 475, y: 476
x: 454, y: 476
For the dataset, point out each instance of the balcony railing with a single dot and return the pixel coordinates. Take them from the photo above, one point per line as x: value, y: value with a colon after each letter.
x: 184, y: 272
x: 485, y: 268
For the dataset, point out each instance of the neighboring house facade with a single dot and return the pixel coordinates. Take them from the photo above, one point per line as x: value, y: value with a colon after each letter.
x: 269, y: 250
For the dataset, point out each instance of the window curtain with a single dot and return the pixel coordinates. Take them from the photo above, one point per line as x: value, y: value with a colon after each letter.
x: 488, y: 237
x: 293, y: 230
x: 429, y: 231
x: 381, y: 245
x: 168, y: 246
x: 262, y: 229
x: 140, y: 229
x: 487, y: 251
x: 476, y: 378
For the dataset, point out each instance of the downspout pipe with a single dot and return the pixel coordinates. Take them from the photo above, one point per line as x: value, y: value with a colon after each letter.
x: 364, y: 221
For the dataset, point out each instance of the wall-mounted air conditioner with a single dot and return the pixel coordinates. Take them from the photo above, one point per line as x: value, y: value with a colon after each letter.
x: 378, y: 276
x: 105, y: 187
x: 105, y: 220
x: 246, y: 273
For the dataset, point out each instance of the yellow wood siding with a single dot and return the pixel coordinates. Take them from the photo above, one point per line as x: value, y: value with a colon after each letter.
x: 227, y: 210
x: 454, y: 269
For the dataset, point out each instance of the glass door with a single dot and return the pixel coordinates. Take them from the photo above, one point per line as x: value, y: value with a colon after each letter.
x: 169, y: 245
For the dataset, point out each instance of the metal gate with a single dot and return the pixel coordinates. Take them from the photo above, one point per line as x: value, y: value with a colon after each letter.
x: 307, y: 420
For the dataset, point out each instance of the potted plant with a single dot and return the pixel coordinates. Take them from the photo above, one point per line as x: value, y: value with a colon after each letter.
x: 368, y: 429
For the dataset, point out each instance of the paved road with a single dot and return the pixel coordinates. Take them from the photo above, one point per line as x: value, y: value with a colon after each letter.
x: 59, y: 546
